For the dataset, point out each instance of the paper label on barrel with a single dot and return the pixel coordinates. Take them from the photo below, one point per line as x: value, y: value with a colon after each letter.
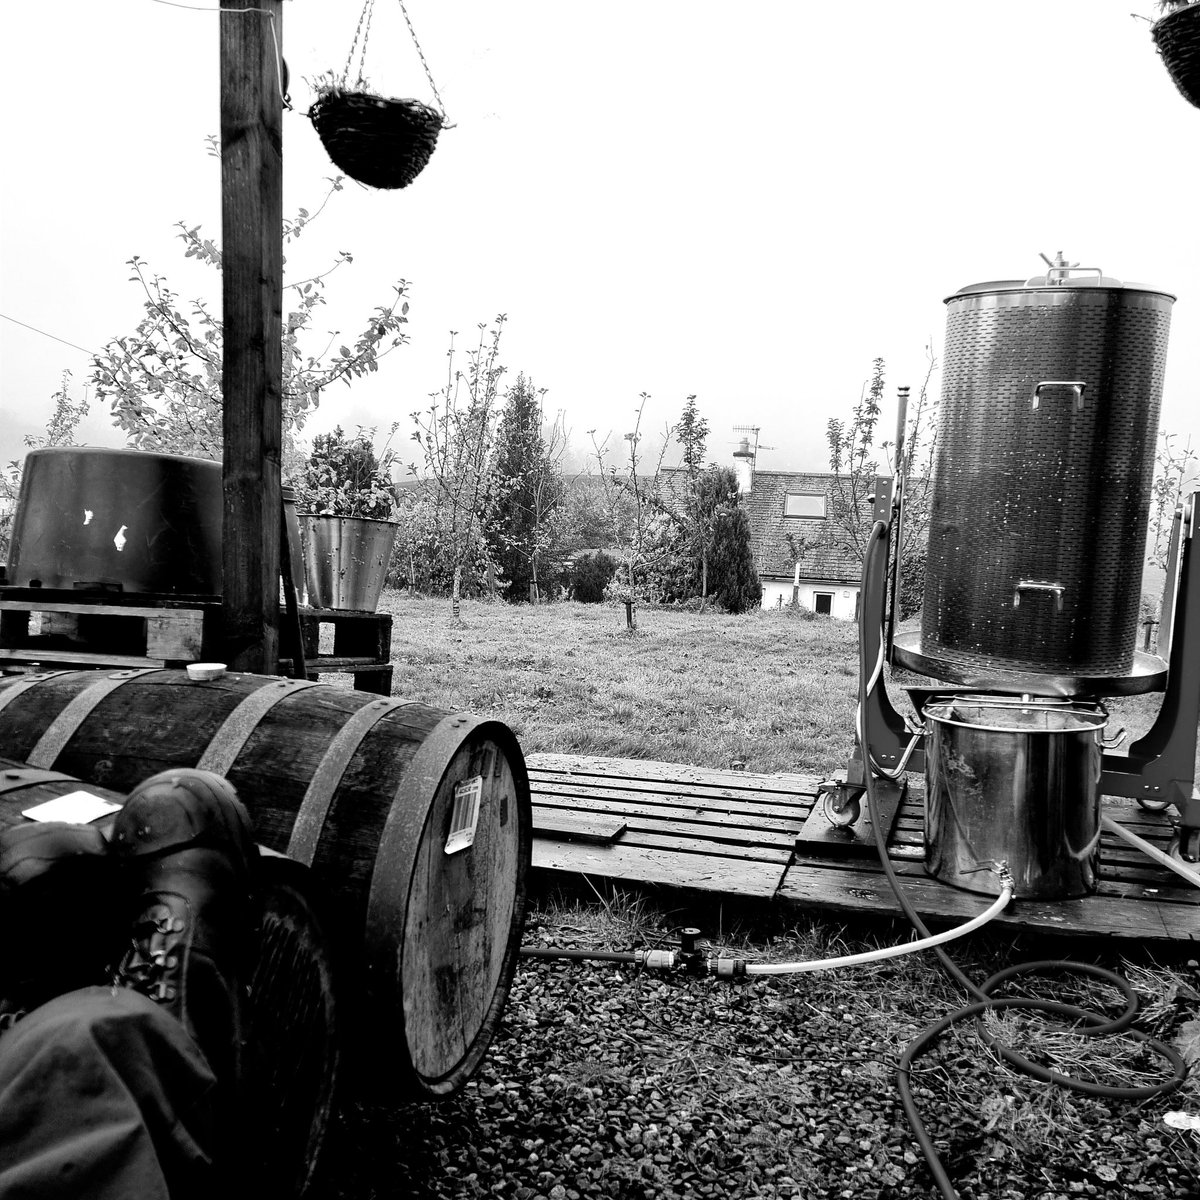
x: 465, y: 816
x: 78, y: 808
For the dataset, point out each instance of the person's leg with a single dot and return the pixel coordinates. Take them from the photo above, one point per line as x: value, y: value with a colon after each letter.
x: 104, y: 1094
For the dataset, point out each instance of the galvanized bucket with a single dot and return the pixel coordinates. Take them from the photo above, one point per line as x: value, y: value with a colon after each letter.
x: 346, y: 560
x: 1015, y: 782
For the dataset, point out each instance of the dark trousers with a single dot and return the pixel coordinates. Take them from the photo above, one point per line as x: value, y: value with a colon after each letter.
x: 104, y: 1095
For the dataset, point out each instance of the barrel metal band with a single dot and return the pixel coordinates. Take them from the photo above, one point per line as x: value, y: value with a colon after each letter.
x: 15, y: 778
x: 30, y: 681
x: 227, y: 743
x: 65, y: 726
x: 314, y: 808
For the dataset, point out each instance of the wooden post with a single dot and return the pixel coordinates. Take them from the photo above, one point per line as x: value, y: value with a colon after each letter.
x: 252, y: 270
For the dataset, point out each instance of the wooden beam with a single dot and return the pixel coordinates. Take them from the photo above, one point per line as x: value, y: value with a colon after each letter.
x: 252, y: 268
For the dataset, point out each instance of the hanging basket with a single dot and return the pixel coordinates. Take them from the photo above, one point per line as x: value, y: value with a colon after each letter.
x: 1177, y: 36
x: 382, y: 143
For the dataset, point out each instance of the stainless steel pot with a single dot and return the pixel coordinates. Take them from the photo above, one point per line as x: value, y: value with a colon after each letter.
x: 1015, y: 782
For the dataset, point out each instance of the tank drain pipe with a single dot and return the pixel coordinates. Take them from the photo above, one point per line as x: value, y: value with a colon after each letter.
x: 1165, y: 860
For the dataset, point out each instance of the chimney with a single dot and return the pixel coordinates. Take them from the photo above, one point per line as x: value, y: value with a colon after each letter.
x: 743, y: 464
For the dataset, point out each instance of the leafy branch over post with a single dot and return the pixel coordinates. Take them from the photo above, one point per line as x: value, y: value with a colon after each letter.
x: 163, y: 381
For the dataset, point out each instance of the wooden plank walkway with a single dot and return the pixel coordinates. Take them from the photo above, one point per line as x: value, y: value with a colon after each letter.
x: 763, y: 837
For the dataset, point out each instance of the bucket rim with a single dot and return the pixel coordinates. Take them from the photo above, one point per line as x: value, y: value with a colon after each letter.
x: 1090, y: 719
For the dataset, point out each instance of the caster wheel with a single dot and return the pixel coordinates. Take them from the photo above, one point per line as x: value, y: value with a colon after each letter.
x: 845, y: 815
x: 1187, y: 847
x: 1154, y: 806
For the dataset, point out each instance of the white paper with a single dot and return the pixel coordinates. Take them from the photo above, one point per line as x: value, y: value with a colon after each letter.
x: 77, y: 808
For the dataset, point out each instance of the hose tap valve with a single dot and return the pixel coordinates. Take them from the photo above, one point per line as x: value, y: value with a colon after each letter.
x: 690, y: 959
x: 727, y: 968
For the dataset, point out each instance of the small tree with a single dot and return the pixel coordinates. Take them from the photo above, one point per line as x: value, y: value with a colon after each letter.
x: 163, y: 381
x: 530, y: 490
x: 629, y: 495
x: 1176, y: 471
x: 853, y: 461
x: 60, y: 431
x: 692, y: 434
x: 736, y: 585
x: 455, y: 435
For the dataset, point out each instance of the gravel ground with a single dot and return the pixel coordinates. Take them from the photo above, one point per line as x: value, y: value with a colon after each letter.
x: 611, y: 1081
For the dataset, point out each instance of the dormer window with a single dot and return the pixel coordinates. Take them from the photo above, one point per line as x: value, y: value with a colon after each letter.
x: 804, y: 504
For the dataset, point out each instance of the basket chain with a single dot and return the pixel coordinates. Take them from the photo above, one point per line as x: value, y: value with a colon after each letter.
x: 421, y: 55
x: 363, y: 31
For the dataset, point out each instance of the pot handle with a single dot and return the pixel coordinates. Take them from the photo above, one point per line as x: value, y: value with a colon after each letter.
x: 1076, y: 385
x: 1038, y: 585
x: 1113, y: 742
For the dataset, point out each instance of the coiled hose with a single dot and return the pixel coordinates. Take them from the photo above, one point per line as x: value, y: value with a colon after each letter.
x: 1093, y: 1024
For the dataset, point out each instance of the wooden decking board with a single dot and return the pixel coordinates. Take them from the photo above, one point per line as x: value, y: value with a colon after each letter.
x: 697, y: 872
x: 674, y: 807
x: 724, y: 832
x: 680, y: 820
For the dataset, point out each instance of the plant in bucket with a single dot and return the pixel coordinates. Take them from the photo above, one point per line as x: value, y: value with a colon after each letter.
x: 346, y: 502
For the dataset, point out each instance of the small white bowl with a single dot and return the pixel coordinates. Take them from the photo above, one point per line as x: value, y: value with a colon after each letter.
x: 205, y: 670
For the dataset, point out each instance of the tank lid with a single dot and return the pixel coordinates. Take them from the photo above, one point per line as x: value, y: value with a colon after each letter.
x: 1060, y: 274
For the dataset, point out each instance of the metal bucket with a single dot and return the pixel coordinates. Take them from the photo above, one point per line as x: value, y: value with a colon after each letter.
x: 346, y: 560
x: 1041, y: 487
x: 1015, y: 782
x: 117, y: 521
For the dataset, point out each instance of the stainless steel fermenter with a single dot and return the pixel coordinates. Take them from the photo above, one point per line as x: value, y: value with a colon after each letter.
x: 1041, y: 484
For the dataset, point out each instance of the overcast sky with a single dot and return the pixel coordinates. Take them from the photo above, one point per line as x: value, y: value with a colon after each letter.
x: 747, y: 201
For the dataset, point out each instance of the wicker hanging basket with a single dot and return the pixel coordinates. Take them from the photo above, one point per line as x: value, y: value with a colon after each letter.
x: 382, y: 143
x: 1177, y: 36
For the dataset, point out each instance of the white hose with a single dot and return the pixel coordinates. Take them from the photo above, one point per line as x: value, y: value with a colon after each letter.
x: 1193, y: 877
x: 853, y: 960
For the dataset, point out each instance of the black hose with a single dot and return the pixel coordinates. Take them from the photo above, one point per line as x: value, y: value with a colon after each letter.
x: 622, y: 956
x: 1094, y: 1024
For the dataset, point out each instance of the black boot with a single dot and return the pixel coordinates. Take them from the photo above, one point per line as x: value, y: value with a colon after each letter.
x: 58, y: 913
x: 184, y: 841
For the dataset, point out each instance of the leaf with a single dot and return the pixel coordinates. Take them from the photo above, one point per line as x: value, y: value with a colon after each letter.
x: 1187, y: 1042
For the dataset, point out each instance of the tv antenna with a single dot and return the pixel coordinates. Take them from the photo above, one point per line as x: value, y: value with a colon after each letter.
x: 750, y: 439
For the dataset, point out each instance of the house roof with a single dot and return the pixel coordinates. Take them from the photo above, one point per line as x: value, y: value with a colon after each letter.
x: 769, y: 527
x: 818, y: 558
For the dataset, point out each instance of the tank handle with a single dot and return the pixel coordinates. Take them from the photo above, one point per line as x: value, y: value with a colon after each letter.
x: 1076, y: 385
x: 1037, y: 585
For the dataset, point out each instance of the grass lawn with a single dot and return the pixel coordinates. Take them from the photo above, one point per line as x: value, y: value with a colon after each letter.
x: 773, y: 690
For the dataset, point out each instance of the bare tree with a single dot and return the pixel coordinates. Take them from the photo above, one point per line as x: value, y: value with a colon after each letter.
x: 455, y: 434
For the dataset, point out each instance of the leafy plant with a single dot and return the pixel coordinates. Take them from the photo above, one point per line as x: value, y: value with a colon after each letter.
x: 345, y: 477
x: 590, y: 575
x: 163, y: 382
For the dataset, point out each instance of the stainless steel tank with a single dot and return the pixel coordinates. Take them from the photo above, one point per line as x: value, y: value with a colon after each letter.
x: 1041, y: 484
x: 117, y: 520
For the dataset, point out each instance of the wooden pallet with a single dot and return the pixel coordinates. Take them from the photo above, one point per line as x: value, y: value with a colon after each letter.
x: 764, y: 837
x: 65, y: 628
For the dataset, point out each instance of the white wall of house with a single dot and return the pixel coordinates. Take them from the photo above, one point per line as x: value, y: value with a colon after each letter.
x: 837, y: 599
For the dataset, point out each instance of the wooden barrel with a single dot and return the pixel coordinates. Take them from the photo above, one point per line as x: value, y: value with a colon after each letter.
x: 416, y: 822
x: 294, y: 1043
